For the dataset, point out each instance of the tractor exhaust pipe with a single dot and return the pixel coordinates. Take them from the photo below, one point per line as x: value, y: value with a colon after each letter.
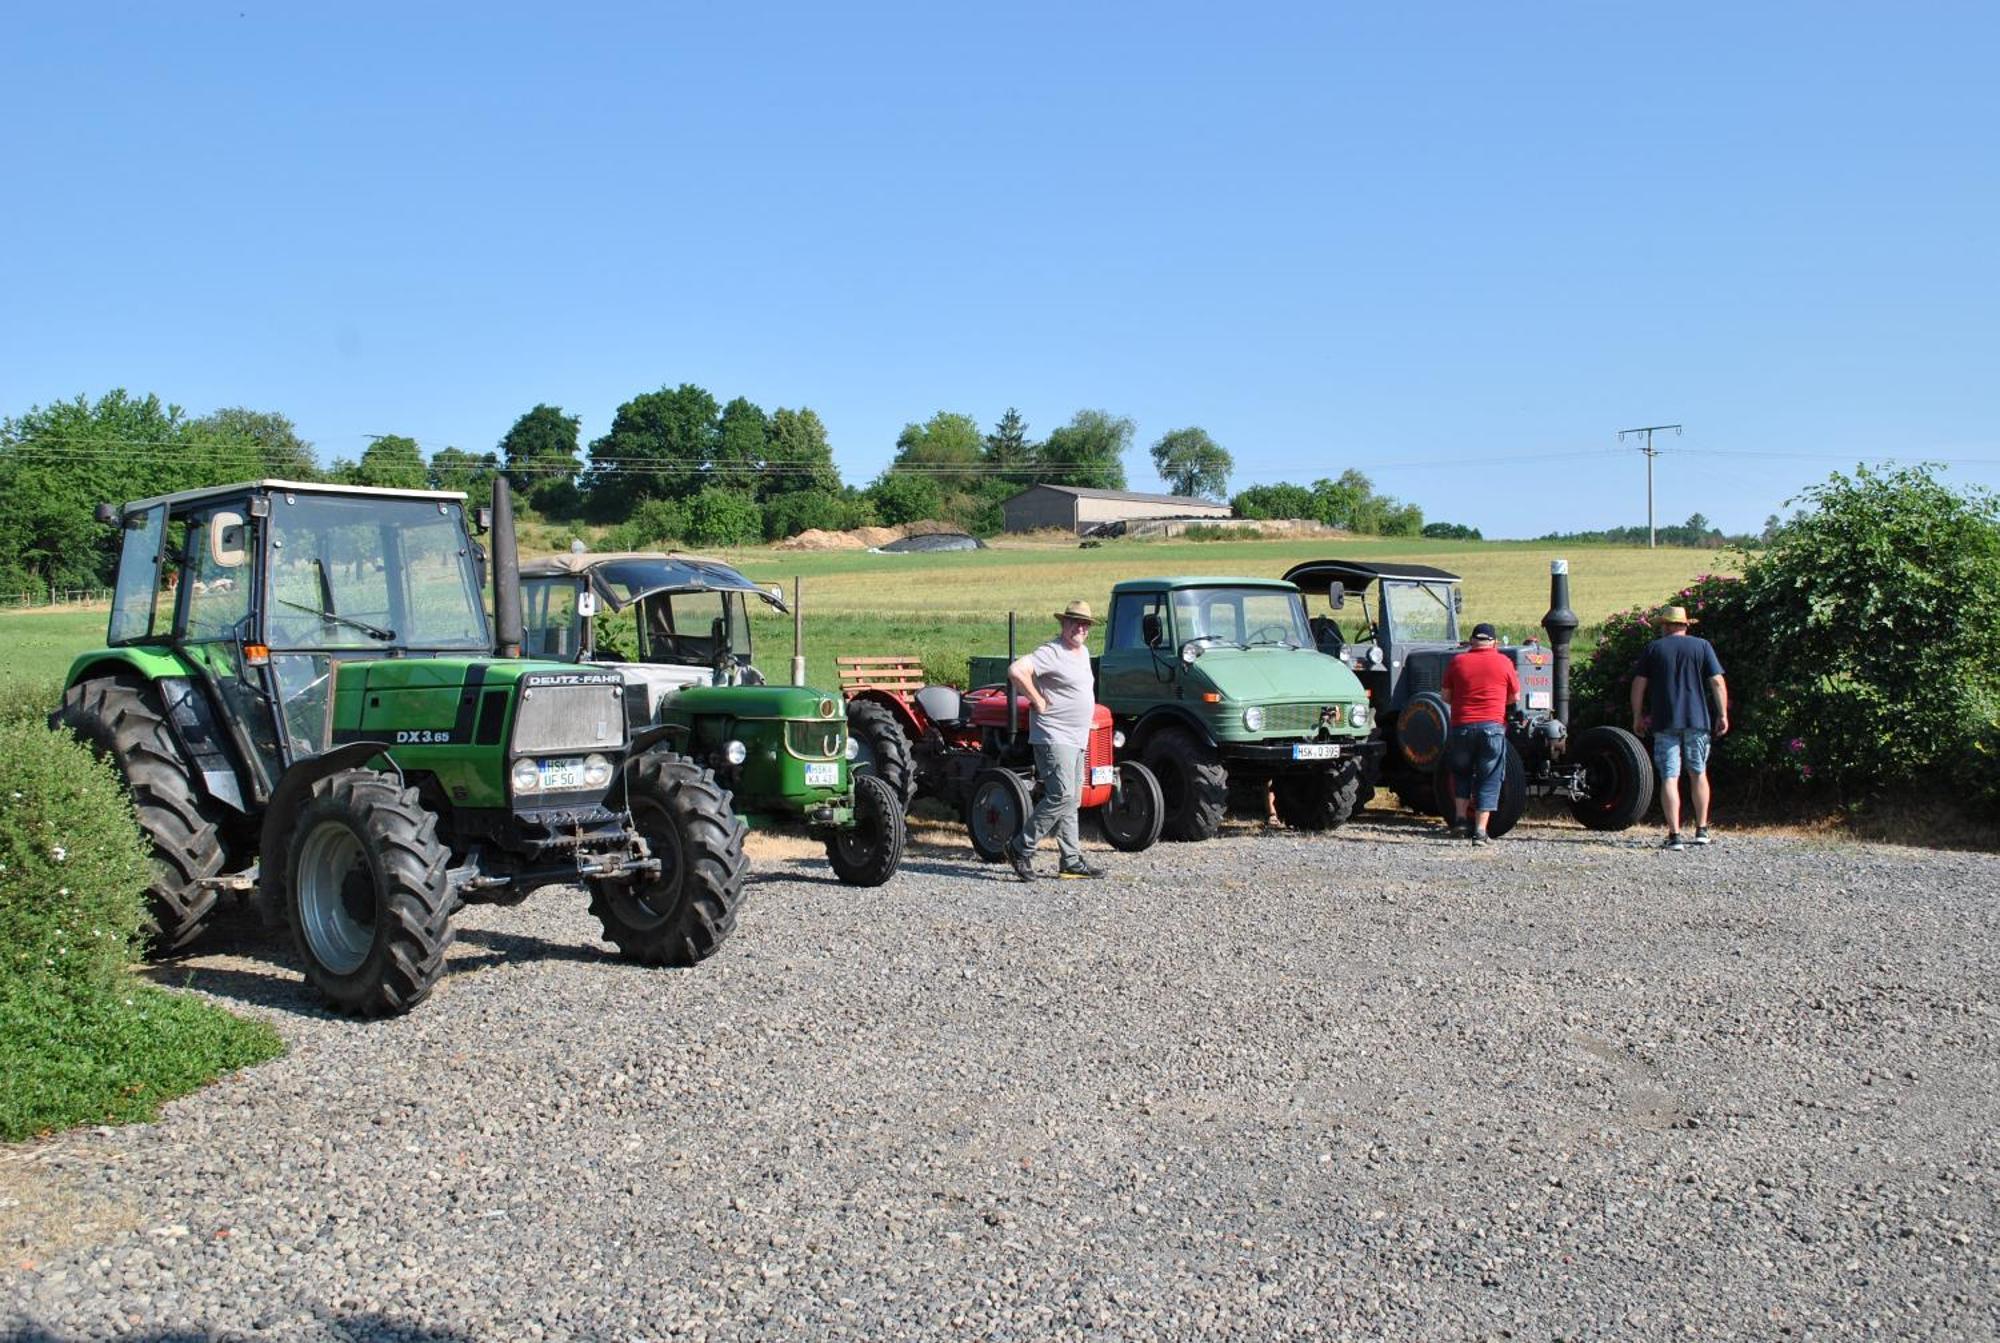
x: 798, y: 636
x: 507, y: 621
x: 1561, y: 623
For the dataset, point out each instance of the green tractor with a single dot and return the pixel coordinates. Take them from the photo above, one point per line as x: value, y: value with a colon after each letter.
x: 309, y: 707
x: 675, y: 629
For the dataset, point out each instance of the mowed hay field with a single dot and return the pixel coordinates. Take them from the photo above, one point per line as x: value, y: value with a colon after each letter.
x: 944, y: 607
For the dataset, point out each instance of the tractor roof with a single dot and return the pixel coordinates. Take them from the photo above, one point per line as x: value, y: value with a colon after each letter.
x: 1317, y: 576
x: 623, y: 577
x: 287, y: 487
x: 1168, y: 584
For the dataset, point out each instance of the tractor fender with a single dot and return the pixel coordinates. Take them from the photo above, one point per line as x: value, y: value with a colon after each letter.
x: 902, y: 709
x: 1421, y: 730
x: 645, y: 741
x: 286, y: 799
x: 1164, y: 715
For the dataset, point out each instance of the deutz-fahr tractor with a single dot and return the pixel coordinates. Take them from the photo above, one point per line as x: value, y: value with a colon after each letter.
x: 1400, y: 647
x: 970, y: 752
x: 675, y: 629
x: 1214, y: 683
x: 308, y: 705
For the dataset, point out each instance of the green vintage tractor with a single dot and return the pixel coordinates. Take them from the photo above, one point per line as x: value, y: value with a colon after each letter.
x: 302, y: 690
x: 675, y: 629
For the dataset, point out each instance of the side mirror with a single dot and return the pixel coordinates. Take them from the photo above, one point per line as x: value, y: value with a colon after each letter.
x: 107, y: 514
x: 1458, y: 601
x: 482, y: 521
x: 1337, y: 598
x: 226, y: 541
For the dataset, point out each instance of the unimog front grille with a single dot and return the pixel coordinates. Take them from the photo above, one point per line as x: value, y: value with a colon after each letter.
x: 567, y: 712
x: 816, y: 741
x: 1303, y: 717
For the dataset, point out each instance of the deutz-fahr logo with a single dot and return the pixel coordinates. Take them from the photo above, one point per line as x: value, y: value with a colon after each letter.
x: 536, y: 680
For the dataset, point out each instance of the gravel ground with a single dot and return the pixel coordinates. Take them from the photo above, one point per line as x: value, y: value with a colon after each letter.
x: 1368, y: 1084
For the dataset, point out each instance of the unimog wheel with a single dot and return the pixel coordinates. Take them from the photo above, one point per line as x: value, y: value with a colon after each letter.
x: 883, y: 750
x: 1617, y: 778
x: 996, y: 813
x: 120, y: 720
x: 1320, y: 800
x: 366, y: 895
x: 1194, y: 785
x: 684, y: 912
x: 1131, y: 819
x: 1513, y: 792
x: 868, y: 852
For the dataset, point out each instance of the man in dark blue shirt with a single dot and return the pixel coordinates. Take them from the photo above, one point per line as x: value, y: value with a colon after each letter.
x: 1671, y: 688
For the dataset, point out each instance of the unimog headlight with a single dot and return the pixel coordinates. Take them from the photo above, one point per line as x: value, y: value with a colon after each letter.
x: 1357, y: 716
x: 596, y: 771
x: 735, y: 752
x: 1190, y: 651
x: 1253, y: 718
x: 527, y: 776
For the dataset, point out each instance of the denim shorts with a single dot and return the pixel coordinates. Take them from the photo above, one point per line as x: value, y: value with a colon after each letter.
x: 1475, y: 754
x: 1672, y: 746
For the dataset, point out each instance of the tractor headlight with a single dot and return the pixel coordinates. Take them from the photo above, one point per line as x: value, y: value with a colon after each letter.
x: 735, y: 752
x: 1253, y: 718
x: 853, y: 748
x: 1117, y: 740
x: 1375, y: 656
x: 1357, y: 715
x: 527, y: 777
x: 596, y: 771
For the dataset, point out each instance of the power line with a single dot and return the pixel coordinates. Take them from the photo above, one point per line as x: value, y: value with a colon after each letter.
x: 1652, y: 535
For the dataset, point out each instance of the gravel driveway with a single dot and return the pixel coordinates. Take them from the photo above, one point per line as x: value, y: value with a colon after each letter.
x: 1368, y: 1084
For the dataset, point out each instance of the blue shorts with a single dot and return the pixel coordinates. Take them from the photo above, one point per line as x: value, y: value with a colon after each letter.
x: 1475, y: 752
x: 1670, y: 747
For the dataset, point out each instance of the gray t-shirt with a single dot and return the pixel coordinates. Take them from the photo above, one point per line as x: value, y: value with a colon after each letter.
x: 1063, y: 678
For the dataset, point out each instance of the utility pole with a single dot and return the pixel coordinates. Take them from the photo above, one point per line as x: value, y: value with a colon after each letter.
x: 1652, y: 534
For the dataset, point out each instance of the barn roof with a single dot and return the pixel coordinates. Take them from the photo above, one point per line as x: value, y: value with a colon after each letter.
x: 1124, y: 496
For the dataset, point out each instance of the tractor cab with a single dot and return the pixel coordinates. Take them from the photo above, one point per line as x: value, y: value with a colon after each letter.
x: 1414, y: 611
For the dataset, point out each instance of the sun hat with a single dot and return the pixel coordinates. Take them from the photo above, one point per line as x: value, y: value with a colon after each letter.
x: 1674, y: 615
x: 1484, y: 631
x: 1077, y: 611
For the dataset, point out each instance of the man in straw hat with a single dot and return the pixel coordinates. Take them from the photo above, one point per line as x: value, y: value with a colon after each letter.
x: 1671, y: 690
x: 1056, y: 679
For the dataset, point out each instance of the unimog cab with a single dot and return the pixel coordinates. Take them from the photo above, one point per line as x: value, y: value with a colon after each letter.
x: 675, y: 630
x: 307, y: 702
x: 1398, y: 627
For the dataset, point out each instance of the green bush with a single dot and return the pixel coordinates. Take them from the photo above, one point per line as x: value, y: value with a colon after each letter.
x: 815, y: 510
x: 73, y: 866
x: 723, y: 517
x: 653, y: 525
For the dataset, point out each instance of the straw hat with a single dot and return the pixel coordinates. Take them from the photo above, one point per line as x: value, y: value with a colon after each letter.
x: 1675, y: 615
x: 1077, y: 611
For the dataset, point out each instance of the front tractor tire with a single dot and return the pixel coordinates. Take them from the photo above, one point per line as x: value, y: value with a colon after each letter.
x: 121, y: 721
x: 1617, y: 778
x: 997, y: 812
x: 366, y: 894
x: 1194, y: 784
x: 882, y: 749
x: 1321, y: 799
x: 1131, y: 819
x: 869, y: 851
x: 683, y: 913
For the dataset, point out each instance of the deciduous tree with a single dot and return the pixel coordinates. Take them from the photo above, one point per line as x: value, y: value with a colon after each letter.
x: 1192, y: 463
x: 1087, y: 452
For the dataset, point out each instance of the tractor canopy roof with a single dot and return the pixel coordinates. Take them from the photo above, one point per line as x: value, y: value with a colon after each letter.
x: 287, y: 487
x: 1170, y: 584
x: 1319, y: 576
x: 623, y: 578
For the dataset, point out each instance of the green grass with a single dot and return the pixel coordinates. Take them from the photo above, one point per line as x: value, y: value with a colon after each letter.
x: 72, y: 1057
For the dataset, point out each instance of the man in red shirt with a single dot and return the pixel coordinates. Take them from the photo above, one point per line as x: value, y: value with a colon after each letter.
x: 1479, y: 686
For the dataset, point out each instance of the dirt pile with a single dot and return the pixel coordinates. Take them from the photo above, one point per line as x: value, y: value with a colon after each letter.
x: 861, y: 538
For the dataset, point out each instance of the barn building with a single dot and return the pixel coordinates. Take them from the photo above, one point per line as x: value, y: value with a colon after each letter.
x: 1077, y: 509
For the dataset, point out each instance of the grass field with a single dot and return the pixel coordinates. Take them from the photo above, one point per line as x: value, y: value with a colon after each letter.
x: 946, y: 606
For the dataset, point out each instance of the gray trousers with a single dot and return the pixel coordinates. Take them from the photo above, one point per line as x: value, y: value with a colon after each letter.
x: 1060, y: 768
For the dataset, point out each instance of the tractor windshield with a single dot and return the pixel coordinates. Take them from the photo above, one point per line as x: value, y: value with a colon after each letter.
x: 350, y: 572
x: 1419, y: 613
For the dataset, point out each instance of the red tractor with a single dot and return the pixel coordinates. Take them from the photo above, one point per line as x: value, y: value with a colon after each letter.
x: 970, y: 752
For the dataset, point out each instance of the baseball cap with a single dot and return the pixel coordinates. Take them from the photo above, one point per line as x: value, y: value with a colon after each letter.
x: 1484, y: 631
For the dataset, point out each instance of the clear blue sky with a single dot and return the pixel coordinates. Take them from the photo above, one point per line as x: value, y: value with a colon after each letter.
x: 1395, y: 237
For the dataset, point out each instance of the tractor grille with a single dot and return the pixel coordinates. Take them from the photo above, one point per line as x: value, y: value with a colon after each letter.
x: 1302, y: 717
x: 817, y: 741
x: 569, y: 712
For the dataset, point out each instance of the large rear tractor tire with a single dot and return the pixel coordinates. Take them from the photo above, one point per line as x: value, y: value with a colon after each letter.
x: 684, y: 912
x: 1617, y: 777
x: 883, y: 750
x: 868, y: 852
x: 1194, y: 784
x: 123, y: 721
x: 1131, y: 820
x: 1323, y: 799
x: 366, y: 894
x: 996, y: 813
x: 1513, y: 792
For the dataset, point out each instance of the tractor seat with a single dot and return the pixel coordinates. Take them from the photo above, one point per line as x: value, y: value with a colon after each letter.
x: 941, y: 703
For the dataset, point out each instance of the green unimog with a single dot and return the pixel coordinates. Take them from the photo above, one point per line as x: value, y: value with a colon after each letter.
x: 1216, y: 685
x: 676, y: 630
x: 302, y: 691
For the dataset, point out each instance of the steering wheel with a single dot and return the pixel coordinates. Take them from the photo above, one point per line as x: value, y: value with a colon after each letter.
x: 1283, y: 633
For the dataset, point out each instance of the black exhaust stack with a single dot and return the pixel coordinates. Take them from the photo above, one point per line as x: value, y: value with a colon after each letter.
x: 1561, y: 623
x: 506, y: 573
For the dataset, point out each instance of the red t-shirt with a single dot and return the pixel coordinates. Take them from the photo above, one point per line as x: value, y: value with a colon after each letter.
x: 1480, y: 683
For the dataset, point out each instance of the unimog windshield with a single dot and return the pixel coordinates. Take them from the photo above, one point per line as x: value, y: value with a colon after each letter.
x: 1419, y: 612
x: 1248, y: 617
x: 374, y: 573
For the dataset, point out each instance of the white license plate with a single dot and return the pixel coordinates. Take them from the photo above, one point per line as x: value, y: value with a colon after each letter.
x: 1316, y: 750
x: 1101, y: 774
x: 823, y: 774
x: 1540, y: 699
x: 561, y: 776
